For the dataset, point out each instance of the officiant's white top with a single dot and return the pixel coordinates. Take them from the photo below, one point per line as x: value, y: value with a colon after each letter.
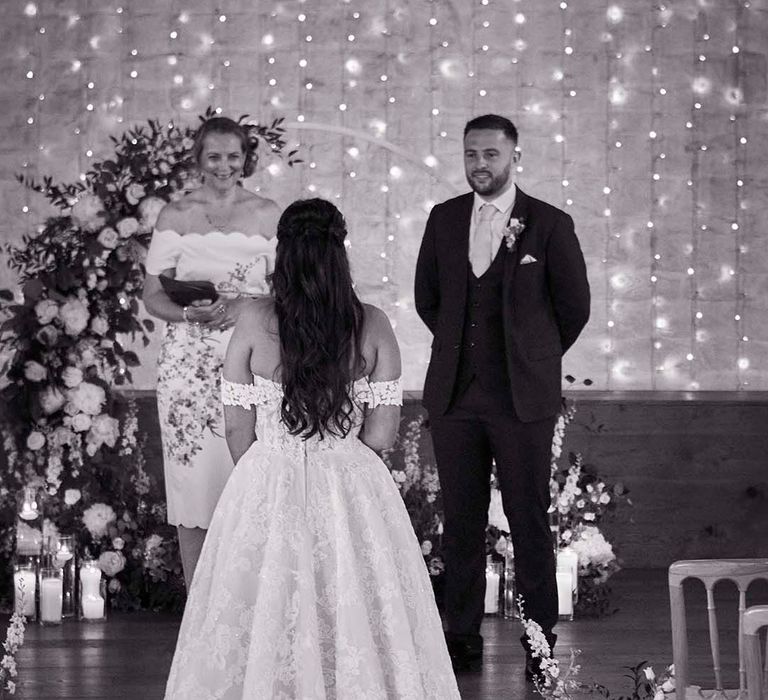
x: 235, y: 262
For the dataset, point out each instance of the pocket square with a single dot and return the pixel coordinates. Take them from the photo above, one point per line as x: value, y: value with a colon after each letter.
x: 528, y: 259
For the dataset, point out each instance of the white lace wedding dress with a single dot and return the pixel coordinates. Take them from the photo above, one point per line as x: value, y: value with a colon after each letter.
x: 311, y: 584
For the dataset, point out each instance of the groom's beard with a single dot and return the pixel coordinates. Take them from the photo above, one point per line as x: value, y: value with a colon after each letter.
x: 490, y: 185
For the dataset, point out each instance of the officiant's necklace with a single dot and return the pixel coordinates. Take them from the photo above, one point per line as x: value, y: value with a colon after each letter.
x: 219, y: 221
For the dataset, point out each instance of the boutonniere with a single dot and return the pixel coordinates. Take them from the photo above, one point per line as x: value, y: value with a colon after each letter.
x: 512, y: 232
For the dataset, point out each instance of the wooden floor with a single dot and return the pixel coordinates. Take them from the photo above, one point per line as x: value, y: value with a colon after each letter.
x: 129, y: 656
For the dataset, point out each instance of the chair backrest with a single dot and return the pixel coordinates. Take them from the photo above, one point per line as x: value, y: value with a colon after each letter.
x: 742, y: 572
x: 755, y: 617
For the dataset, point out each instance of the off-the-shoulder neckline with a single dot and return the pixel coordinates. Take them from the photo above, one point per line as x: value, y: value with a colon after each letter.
x: 223, y: 234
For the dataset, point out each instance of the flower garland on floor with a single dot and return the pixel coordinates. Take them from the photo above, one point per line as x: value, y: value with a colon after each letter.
x: 14, y: 639
x: 554, y: 683
x: 66, y: 430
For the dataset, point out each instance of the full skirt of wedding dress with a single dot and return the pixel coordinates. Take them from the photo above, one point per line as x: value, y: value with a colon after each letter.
x: 311, y: 585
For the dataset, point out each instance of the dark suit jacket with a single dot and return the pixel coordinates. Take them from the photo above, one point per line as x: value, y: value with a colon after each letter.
x: 546, y: 303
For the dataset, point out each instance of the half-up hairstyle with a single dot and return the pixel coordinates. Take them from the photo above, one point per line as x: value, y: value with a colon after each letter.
x: 319, y: 319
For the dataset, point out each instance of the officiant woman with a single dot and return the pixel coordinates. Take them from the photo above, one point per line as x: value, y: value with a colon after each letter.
x: 218, y: 233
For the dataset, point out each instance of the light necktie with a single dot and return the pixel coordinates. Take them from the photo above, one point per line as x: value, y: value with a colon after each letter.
x: 482, y: 244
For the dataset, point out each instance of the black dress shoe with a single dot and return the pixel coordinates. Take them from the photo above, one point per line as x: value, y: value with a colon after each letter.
x: 466, y: 655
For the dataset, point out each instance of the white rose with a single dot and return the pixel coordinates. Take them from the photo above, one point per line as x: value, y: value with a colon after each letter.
x: 87, y: 211
x: 104, y: 430
x: 75, y: 315
x: 35, y: 440
x: 659, y: 694
x: 149, y: 210
x: 97, y: 519
x: 52, y: 400
x: 72, y: 377
x: 668, y: 685
x: 71, y: 496
x: 589, y: 516
x: 111, y: 563
x: 34, y: 371
x: 99, y: 325
x: 604, y: 498
x: 87, y: 353
x: 151, y: 543
x: 81, y: 422
x: 649, y: 674
x: 60, y: 437
x: 127, y: 227
x: 426, y: 548
x: 46, y: 310
x: 88, y: 398
x: 134, y: 193
x: 108, y: 238
x: 114, y: 586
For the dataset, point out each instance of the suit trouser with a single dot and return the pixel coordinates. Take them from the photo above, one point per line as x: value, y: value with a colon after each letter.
x: 482, y: 426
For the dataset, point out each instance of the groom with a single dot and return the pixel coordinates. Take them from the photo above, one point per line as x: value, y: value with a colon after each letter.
x: 502, y: 285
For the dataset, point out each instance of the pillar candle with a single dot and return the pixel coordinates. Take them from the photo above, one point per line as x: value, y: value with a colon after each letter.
x: 568, y: 560
x: 492, y: 580
x: 93, y: 607
x: 50, y: 599
x: 564, y: 594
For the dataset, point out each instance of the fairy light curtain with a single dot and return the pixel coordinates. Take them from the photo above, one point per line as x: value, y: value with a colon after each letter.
x: 645, y: 121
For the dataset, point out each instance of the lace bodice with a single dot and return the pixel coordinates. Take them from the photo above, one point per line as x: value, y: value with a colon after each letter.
x: 266, y: 396
x: 234, y: 262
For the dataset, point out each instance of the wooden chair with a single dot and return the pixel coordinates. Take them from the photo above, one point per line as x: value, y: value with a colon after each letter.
x: 742, y: 572
x: 755, y: 617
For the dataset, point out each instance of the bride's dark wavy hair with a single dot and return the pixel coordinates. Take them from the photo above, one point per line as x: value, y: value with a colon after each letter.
x: 319, y: 319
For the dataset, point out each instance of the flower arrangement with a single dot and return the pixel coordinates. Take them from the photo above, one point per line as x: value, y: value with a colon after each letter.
x: 14, y: 639
x: 581, y: 500
x: 65, y: 335
x: 419, y: 486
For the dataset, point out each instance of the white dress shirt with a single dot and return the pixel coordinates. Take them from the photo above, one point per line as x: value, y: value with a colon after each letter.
x: 503, y: 203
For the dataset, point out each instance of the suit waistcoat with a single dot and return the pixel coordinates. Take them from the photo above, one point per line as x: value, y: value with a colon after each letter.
x: 483, y: 352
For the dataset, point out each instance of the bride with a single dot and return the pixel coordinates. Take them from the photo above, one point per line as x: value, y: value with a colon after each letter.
x: 311, y: 583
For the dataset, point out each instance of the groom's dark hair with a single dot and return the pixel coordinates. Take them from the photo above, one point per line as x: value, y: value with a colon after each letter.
x: 493, y: 121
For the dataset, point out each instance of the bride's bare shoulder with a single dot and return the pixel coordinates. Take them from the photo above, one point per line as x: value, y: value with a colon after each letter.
x: 377, y: 328
x: 257, y: 317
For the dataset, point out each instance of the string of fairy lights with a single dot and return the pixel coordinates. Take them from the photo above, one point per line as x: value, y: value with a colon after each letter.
x: 288, y: 77
x: 740, y: 140
x: 616, y: 96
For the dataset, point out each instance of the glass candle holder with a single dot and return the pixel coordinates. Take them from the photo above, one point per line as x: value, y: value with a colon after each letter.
x: 510, y: 589
x: 51, y: 596
x: 25, y: 590
x: 29, y: 505
x: 492, y: 587
x: 29, y: 525
x: 61, y: 553
x: 92, y: 596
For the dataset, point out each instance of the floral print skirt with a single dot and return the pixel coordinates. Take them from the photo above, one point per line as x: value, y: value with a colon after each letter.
x: 196, y: 459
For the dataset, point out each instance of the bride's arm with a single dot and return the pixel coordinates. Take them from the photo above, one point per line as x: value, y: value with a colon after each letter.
x: 239, y: 421
x: 380, y: 426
